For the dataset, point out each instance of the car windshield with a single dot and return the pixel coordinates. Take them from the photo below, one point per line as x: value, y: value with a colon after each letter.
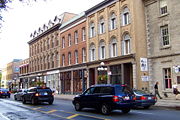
x: 4, y: 90
x: 140, y: 92
x: 44, y: 90
x: 124, y: 89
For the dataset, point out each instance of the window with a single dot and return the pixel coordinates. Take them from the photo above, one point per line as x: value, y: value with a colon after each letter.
x: 113, y: 48
x: 63, y: 60
x: 69, y: 40
x: 57, y: 59
x: 163, y: 7
x: 76, y: 37
x: 113, y: 21
x: 92, y: 52
x: 101, y: 26
x: 167, y: 78
x: 76, y: 57
x: 83, y: 55
x: 69, y: 58
x: 92, y: 30
x: 125, y: 16
x: 102, y: 50
x: 83, y: 34
x: 52, y: 42
x: 52, y: 60
x: 63, y: 42
x: 165, y: 35
x: 126, y: 44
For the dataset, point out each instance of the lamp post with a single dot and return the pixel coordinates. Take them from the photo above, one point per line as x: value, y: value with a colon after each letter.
x: 102, y: 73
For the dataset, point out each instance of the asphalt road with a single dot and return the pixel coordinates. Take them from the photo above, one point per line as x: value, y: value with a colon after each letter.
x: 63, y: 110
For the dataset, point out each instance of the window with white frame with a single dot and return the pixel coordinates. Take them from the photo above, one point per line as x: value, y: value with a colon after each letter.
x: 76, y: 37
x: 101, y: 26
x: 63, y: 42
x: 102, y: 50
x: 163, y: 7
x: 113, y: 47
x: 83, y: 55
x: 76, y: 56
x: 165, y: 35
x: 92, y: 29
x: 63, y: 60
x: 167, y: 78
x: 69, y: 58
x: 125, y: 16
x: 112, y: 21
x: 69, y: 39
x: 126, y: 44
x: 57, y: 59
x: 92, y: 52
x: 83, y: 34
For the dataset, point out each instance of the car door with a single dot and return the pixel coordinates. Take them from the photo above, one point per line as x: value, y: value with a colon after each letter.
x: 30, y: 93
x: 89, y: 98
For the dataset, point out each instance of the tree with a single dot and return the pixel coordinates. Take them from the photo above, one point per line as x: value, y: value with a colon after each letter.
x: 4, y: 5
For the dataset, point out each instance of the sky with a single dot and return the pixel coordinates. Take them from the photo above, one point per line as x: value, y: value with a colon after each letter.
x: 21, y: 20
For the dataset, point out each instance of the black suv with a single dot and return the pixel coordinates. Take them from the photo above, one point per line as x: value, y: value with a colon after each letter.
x: 106, y: 98
x: 38, y: 94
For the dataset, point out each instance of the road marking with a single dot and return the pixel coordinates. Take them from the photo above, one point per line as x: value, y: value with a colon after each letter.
x: 51, y: 111
x: 72, y: 116
x: 36, y: 108
x: 143, y: 113
x: 4, y: 116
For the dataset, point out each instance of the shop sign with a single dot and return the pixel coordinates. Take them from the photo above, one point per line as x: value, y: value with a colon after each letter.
x: 145, y: 78
x: 52, y: 72
x: 143, y: 64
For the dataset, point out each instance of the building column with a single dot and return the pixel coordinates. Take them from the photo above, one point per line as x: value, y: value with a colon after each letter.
x: 108, y: 70
x: 72, y: 83
x: 96, y: 75
x: 151, y: 82
x: 87, y: 71
x: 122, y: 73
x: 134, y: 75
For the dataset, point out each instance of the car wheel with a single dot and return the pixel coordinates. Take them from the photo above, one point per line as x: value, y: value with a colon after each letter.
x: 33, y: 101
x: 23, y: 100
x: 126, y: 110
x: 105, y: 109
x: 50, y: 102
x: 77, y: 106
x: 146, y: 107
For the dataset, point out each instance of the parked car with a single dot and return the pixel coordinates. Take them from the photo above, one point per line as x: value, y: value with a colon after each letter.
x: 105, y: 98
x: 38, y: 94
x: 144, y: 99
x: 18, y: 95
x: 5, y: 93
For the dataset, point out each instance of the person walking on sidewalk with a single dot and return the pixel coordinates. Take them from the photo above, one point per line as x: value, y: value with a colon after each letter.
x: 175, y: 90
x: 156, y: 90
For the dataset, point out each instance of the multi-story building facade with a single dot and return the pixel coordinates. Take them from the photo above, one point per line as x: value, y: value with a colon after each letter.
x: 24, y: 70
x: 12, y: 74
x: 162, y: 26
x: 73, y: 55
x: 44, y: 49
x: 116, y: 43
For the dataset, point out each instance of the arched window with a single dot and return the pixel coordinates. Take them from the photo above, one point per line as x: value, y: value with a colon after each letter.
x: 125, y: 16
x: 126, y: 44
x: 76, y: 56
x: 113, y: 47
x: 112, y: 21
x: 69, y: 58
x: 92, y: 29
x: 63, y: 60
x: 101, y: 26
x: 102, y: 50
x: 92, y: 52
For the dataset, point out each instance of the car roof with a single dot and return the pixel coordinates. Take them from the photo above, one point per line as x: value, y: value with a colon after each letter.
x: 108, y: 85
x: 39, y: 88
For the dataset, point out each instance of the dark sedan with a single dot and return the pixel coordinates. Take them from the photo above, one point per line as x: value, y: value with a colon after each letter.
x: 18, y: 95
x: 144, y: 99
x: 5, y: 93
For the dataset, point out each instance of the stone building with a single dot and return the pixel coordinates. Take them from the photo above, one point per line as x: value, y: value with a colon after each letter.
x: 73, y: 55
x: 116, y: 43
x: 44, y: 48
x: 163, y: 45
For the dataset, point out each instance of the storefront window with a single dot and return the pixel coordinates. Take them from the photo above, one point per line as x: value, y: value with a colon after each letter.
x: 115, y: 77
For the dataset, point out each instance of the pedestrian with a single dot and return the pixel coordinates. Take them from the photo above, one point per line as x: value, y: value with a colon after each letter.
x: 156, y: 90
x: 175, y: 90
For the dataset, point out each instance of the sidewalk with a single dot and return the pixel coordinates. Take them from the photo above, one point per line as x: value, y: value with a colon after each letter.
x: 169, y: 102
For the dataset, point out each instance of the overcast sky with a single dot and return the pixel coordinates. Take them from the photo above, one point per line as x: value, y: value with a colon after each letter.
x: 21, y: 20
